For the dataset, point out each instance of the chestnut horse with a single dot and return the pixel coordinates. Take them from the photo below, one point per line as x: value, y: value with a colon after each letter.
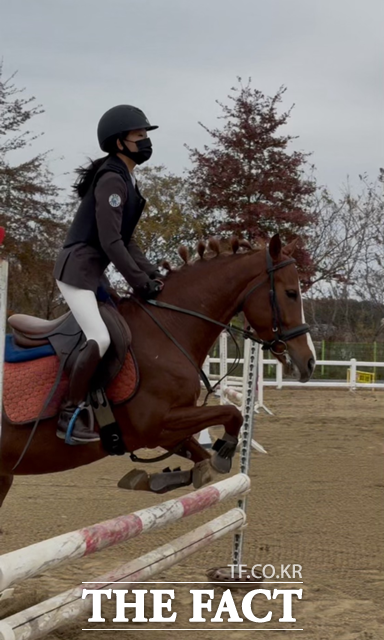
x: 163, y: 413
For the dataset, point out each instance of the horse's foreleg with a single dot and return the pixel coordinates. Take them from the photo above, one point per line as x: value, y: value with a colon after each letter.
x: 182, y: 423
x: 5, y: 485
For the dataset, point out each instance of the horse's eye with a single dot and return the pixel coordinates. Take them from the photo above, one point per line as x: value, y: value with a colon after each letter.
x: 291, y: 293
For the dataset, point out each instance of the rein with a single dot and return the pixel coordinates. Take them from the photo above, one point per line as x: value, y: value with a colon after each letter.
x: 230, y: 328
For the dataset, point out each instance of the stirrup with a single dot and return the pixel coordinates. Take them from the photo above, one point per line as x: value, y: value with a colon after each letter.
x: 83, y: 406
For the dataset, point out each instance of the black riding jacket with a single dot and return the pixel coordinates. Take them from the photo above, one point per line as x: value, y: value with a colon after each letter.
x: 101, y: 232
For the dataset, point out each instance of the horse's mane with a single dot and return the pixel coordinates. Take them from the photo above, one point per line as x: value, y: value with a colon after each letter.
x: 213, y: 247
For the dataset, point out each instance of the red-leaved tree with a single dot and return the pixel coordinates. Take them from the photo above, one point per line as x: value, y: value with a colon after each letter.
x: 247, y: 181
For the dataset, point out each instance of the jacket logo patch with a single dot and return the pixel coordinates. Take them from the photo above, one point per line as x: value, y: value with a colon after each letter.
x: 114, y: 200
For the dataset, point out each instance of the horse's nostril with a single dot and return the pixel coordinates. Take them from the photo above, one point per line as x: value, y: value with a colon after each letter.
x: 311, y: 364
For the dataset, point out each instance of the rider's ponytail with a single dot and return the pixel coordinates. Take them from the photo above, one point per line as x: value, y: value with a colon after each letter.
x: 85, y: 176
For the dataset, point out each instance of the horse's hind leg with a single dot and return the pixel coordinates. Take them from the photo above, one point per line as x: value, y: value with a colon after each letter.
x: 5, y: 485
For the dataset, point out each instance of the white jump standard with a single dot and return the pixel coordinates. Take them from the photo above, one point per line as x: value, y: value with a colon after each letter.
x: 234, y: 395
x: 251, y: 360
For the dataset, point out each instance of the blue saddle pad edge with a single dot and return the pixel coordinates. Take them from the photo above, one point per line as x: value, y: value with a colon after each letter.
x: 14, y: 353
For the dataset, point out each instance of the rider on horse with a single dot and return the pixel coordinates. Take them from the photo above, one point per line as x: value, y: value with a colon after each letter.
x: 100, y: 234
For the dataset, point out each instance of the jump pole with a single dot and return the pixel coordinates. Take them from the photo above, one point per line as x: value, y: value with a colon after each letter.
x: 228, y: 395
x: 226, y: 574
x: 29, y: 561
x: 251, y: 353
x: 41, y: 619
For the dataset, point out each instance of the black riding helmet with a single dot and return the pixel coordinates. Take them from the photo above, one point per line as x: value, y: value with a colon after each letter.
x: 119, y: 119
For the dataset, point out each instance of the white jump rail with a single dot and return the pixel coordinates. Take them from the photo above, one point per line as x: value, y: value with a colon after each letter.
x: 27, y: 562
x: 41, y: 619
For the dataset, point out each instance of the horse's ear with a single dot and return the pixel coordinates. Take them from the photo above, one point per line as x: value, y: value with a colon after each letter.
x: 290, y: 248
x: 275, y: 247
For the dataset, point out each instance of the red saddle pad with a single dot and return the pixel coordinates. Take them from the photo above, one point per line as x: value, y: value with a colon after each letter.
x: 26, y: 386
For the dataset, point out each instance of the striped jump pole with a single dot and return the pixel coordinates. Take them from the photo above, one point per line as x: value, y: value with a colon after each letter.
x: 233, y: 395
x: 36, y: 558
x: 41, y: 619
x: 251, y: 366
x: 251, y: 362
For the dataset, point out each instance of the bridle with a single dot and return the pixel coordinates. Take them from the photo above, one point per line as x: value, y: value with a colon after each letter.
x: 281, y: 337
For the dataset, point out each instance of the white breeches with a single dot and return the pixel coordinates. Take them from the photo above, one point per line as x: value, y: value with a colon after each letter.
x: 83, y: 304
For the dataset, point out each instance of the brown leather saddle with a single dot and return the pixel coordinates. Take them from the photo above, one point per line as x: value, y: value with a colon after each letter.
x: 66, y: 338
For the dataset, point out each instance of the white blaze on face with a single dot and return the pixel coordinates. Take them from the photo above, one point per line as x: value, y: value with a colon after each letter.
x: 307, y: 335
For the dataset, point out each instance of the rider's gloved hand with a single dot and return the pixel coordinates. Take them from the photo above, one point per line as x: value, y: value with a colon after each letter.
x: 150, y: 290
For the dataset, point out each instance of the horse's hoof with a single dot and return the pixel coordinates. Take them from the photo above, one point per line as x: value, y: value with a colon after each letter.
x: 167, y: 481
x: 135, y: 480
x: 221, y: 465
x: 225, y: 449
x: 202, y: 473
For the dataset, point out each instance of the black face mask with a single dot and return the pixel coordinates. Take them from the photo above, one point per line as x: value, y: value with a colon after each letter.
x: 144, y: 151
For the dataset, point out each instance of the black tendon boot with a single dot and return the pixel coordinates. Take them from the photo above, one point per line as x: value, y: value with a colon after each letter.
x: 81, y: 374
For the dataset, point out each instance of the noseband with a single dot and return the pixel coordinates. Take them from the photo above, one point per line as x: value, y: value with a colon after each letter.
x: 281, y: 337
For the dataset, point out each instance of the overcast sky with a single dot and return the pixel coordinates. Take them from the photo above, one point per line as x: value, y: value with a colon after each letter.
x: 174, y: 58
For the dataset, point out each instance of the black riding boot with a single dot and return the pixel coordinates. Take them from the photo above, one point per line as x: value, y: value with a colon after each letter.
x: 81, y: 374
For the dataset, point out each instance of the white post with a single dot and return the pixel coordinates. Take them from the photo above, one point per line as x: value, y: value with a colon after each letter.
x: 260, y: 384
x: 246, y: 377
x: 279, y: 375
x: 204, y: 437
x: 260, y: 378
x: 353, y: 375
x: 3, y: 321
x: 223, y: 364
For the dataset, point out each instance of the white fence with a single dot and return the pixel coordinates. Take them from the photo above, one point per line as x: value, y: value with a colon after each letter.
x: 353, y: 365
